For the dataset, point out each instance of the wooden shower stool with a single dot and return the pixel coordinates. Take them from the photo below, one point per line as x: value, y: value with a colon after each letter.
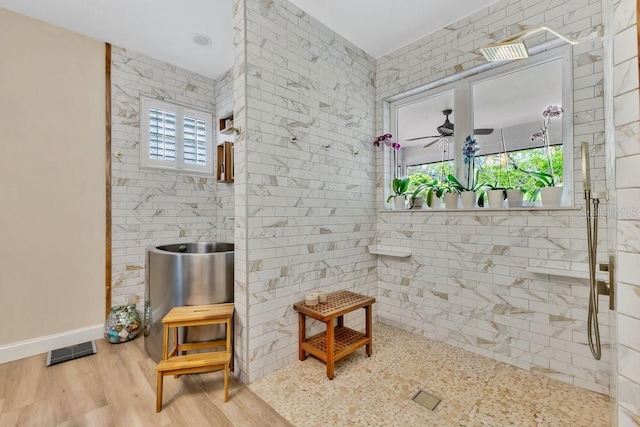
x: 337, y: 341
x: 175, y: 362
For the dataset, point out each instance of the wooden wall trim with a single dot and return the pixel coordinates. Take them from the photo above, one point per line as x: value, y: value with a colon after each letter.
x: 108, y: 178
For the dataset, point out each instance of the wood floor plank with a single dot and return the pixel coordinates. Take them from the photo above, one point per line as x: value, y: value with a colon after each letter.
x: 99, y: 418
x: 243, y: 407
x: 26, y: 383
x: 36, y: 414
x: 116, y: 387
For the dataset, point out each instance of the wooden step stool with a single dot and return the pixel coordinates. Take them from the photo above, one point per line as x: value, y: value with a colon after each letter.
x: 175, y: 362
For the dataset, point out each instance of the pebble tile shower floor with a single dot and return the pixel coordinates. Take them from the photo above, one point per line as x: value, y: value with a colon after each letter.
x: 475, y: 390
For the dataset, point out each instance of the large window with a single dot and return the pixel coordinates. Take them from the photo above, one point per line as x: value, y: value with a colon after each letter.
x: 503, y: 108
x: 175, y: 137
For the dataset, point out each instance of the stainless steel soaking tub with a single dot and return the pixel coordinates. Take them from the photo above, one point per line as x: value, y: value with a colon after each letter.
x: 185, y: 274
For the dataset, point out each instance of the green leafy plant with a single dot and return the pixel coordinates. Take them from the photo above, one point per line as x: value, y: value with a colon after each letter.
x: 454, y: 182
x: 428, y: 189
x: 400, y: 187
x: 542, y: 179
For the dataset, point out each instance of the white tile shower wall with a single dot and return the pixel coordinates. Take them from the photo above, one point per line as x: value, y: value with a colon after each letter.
x: 239, y: 77
x: 224, y: 192
x: 151, y: 207
x: 610, y: 155
x: 627, y: 145
x: 465, y: 283
x: 311, y: 208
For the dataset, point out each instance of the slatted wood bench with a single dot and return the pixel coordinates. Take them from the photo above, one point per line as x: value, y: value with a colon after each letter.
x: 337, y: 341
x: 175, y: 362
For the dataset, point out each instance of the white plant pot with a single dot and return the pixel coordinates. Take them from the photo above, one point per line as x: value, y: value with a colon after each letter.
x: 514, y: 198
x: 399, y: 203
x: 468, y: 199
x: 436, y: 203
x: 496, y: 198
x: 551, y: 196
x: 451, y: 200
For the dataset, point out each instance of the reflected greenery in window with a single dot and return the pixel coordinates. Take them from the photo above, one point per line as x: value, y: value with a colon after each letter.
x: 496, y: 169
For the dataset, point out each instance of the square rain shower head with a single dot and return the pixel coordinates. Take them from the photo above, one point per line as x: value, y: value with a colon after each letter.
x: 505, y: 51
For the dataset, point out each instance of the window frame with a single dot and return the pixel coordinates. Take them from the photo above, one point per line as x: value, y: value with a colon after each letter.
x: 462, y: 86
x: 146, y: 104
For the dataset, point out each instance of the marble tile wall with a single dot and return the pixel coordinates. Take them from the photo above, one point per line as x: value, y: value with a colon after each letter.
x: 239, y: 77
x: 466, y: 282
x: 626, y: 123
x: 151, y: 207
x: 305, y: 210
x: 224, y: 192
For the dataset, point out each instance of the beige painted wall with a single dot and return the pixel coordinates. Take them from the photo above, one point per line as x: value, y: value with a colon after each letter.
x: 52, y: 179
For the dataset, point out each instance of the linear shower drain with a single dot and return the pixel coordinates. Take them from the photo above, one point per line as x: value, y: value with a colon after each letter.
x: 426, y: 400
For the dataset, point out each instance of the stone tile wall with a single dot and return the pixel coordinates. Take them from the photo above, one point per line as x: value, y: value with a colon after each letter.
x: 626, y: 123
x: 225, y: 206
x: 152, y: 207
x: 310, y: 208
x: 239, y: 77
x: 466, y: 282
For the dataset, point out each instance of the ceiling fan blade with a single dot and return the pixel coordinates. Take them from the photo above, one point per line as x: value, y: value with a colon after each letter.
x: 435, y: 142
x: 423, y: 137
x: 485, y: 131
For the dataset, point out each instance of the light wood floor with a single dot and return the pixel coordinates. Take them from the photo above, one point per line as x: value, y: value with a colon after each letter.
x: 116, y: 387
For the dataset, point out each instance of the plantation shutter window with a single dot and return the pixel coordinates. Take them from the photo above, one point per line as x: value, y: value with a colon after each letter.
x: 174, y: 137
x: 162, y: 135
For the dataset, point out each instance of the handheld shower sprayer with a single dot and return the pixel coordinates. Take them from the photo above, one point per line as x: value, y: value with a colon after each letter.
x: 593, y: 333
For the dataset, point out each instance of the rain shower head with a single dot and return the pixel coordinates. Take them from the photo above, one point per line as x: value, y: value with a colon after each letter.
x: 512, y: 47
x: 505, y: 51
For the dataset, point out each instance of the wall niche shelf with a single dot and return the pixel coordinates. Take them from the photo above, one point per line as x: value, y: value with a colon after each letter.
x: 224, y: 166
x: 393, y: 251
x: 225, y: 125
x: 603, y: 276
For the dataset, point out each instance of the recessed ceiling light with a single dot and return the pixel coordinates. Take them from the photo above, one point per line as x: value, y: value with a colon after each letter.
x: 201, y: 39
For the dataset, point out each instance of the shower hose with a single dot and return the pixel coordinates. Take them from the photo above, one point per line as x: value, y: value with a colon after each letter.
x: 593, y: 332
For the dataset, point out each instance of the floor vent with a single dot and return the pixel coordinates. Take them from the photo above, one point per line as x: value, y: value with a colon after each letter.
x: 72, y: 352
x: 425, y: 399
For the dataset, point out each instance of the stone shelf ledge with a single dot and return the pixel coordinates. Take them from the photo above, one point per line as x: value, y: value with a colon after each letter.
x: 604, y: 276
x: 394, y: 251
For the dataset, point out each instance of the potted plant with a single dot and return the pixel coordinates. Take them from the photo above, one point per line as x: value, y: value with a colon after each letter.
x: 546, y: 182
x: 515, y: 196
x: 494, y: 194
x: 416, y: 201
x: 432, y: 192
x: 451, y: 195
x: 400, y: 188
x: 546, y: 186
x: 550, y: 193
x: 467, y: 194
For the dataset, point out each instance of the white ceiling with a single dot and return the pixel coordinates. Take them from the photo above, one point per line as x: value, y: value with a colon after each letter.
x: 381, y: 26
x: 162, y: 28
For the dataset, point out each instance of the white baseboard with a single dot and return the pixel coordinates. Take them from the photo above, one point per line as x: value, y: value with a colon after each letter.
x: 28, y: 348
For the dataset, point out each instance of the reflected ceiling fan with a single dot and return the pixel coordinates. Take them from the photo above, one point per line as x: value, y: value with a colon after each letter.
x: 446, y: 129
